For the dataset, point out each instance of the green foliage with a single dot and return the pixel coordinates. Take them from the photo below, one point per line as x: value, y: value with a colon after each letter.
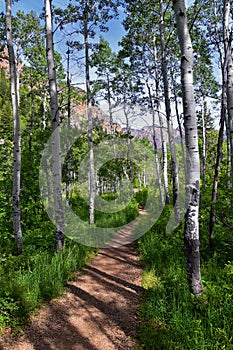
x: 141, y: 196
x: 102, y: 219
x: 30, y: 280
x: 9, y: 309
x: 171, y: 317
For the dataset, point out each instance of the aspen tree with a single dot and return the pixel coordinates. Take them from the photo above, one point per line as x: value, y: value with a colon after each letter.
x: 191, y: 231
x: 17, y: 138
x: 55, y: 120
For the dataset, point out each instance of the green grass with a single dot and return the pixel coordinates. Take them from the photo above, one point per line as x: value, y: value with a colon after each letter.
x: 171, y: 318
x: 38, y: 279
x: 40, y: 274
x: 102, y: 219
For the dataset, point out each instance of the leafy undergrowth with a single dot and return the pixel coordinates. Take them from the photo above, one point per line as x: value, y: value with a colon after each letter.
x: 106, y: 219
x: 27, y: 281
x: 171, y: 318
x: 40, y: 274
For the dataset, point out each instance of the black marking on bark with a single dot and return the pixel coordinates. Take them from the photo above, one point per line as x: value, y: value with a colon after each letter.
x: 181, y: 13
x: 183, y: 58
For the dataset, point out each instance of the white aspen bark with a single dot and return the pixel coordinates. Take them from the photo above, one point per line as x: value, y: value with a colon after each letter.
x: 32, y: 116
x: 217, y: 168
x: 175, y: 176
x: 55, y: 121
x: 228, y: 182
x: 17, y: 138
x: 155, y: 145
x: 203, y: 112
x: 44, y: 110
x: 165, y: 172
x: 223, y: 120
x: 129, y: 158
x: 178, y: 120
x: 191, y: 232
x: 111, y: 116
x: 112, y: 131
x: 90, y: 126
x: 229, y: 86
x: 164, y: 143
x: 144, y: 178
x: 68, y: 123
x: 139, y: 180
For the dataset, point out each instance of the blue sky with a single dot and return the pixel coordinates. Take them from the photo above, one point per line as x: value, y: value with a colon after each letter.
x: 116, y: 30
x: 114, y: 34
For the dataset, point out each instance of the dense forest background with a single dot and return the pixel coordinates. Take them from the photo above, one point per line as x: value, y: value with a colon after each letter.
x: 173, y: 71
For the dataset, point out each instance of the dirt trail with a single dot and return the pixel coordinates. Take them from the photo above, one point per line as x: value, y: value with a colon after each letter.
x: 99, y: 310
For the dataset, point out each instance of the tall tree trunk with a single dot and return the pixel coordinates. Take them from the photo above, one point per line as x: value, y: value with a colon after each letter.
x: 223, y: 119
x: 129, y: 157
x: 228, y: 172
x: 155, y: 145
x: 44, y: 122
x: 17, y: 138
x: 216, y: 170
x: 164, y: 142
x: 90, y: 124
x: 175, y: 177
x: 55, y: 120
x: 178, y: 118
x: 68, y: 123
x: 203, y: 114
x: 229, y: 85
x: 191, y: 232
x: 32, y: 116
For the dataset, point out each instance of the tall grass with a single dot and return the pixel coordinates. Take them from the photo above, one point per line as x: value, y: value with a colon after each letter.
x: 40, y: 279
x: 39, y: 275
x: 171, y: 318
x: 105, y: 219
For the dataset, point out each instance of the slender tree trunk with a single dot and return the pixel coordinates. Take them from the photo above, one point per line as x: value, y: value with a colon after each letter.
x: 216, y: 170
x: 55, y: 120
x: 129, y: 158
x: 203, y: 114
x: 191, y: 232
x: 110, y: 110
x: 44, y: 110
x: 32, y: 116
x: 175, y: 177
x: 17, y: 138
x: 155, y: 146
x: 228, y: 172
x: 112, y: 131
x: 178, y: 119
x: 164, y: 143
x: 68, y: 123
x: 223, y: 120
x: 90, y: 125
x: 229, y: 85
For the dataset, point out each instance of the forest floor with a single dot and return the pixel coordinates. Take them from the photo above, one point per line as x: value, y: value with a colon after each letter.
x: 98, y: 311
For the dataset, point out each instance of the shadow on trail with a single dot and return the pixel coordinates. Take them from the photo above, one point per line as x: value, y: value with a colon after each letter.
x: 116, y: 315
x: 57, y: 332
x: 103, y: 276
x: 118, y: 259
x: 99, y: 310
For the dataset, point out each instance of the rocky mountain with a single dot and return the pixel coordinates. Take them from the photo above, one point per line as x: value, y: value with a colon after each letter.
x: 147, y: 132
x: 79, y: 115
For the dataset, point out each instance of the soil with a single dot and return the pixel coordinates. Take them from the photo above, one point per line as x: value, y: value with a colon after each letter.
x: 98, y: 311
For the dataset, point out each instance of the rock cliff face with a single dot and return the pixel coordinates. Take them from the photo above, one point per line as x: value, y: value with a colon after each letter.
x: 79, y: 116
x: 147, y: 132
x: 4, y: 61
